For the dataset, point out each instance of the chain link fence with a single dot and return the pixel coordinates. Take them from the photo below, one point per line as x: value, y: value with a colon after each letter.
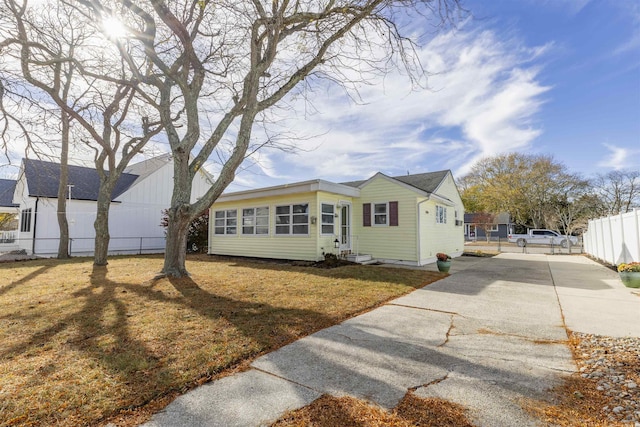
x: 47, y: 247
x: 502, y: 245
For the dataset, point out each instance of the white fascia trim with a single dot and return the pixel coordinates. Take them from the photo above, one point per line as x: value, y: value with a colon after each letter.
x: 296, y: 187
x: 441, y: 199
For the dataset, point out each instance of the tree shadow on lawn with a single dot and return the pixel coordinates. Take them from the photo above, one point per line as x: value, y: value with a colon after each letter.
x: 5, y: 289
x: 102, y: 330
x: 401, y: 276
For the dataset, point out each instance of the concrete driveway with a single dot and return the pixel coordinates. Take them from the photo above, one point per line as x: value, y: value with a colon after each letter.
x: 491, y: 334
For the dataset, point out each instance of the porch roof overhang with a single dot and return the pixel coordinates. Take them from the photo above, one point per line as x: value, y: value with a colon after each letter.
x: 294, y: 188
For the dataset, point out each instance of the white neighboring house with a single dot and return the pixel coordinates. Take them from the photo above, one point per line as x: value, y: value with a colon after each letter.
x: 8, y: 236
x: 139, y: 198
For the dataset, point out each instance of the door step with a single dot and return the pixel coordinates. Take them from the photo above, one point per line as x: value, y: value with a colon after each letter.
x: 361, y: 259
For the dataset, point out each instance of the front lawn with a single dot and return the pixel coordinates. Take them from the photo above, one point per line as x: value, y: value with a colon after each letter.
x: 82, y: 345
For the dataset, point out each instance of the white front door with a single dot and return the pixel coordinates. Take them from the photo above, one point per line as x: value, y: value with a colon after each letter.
x: 345, y: 227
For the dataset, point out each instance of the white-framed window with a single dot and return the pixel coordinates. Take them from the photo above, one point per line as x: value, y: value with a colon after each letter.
x: 25, y: 220
x: 226, y: 222
x: 255, y: 221
x: 292, y: 219
x: 493, y: 227
x: 328, y: 219
x: 380, y: 214
x: 441, y: 215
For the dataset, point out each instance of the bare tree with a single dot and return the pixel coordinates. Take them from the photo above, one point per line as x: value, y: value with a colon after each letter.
x: 619, y: 190
x: 69, y: 61
x: 233, y: 60
x: 573, y: 208
x: 48, y: 123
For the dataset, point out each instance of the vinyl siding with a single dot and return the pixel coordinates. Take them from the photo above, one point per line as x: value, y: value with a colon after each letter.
x: 387, y: 242
x: 436, y: 237
x: 402, y: 243
x: 141, y: 210
x: 325, y: 243
x: 298, y: 247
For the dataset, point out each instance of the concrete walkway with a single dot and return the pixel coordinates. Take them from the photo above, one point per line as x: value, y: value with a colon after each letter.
x: 488, y: 336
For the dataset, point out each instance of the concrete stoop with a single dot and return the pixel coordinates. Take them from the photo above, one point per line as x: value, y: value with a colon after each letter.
x: 364, y: 259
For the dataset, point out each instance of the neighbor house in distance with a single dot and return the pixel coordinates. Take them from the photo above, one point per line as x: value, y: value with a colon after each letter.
x: 139, y: 198
x: 483, y: 226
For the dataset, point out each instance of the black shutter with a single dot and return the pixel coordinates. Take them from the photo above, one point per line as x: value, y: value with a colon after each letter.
x: 393, y: 214
x: 366, y: 214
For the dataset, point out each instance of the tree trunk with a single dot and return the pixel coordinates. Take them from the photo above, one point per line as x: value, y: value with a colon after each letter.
x: 101, y: 225
x: 176, y: 247
x: 63, y: 244
x: 179, y: 218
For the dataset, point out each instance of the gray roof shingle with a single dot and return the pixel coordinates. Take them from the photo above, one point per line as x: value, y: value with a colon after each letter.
x: 427, y: 182
x: 7, y: 188
x: 43, y: 178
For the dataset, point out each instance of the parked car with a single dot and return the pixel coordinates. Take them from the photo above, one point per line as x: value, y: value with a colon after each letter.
x: 542, y: 237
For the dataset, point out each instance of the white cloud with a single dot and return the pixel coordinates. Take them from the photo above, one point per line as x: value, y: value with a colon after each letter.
x: 482, y: 100
x: 620, y: 157
x: 631, y: 10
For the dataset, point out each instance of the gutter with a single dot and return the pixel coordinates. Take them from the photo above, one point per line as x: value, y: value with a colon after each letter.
x: 35, y: 223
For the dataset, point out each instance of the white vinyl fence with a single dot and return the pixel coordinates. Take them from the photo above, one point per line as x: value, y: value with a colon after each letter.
x: 614, y: 239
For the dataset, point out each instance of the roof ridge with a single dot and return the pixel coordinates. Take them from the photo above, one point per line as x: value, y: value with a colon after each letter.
x: 44, y: 177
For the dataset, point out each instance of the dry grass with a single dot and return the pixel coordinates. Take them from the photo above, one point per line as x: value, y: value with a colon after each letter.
x: 329, y: 411
x: 576, y: 402
x: 81, y: 346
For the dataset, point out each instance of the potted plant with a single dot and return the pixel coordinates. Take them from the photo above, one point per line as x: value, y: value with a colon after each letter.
x: 630, y: 274
x: 443, y: 262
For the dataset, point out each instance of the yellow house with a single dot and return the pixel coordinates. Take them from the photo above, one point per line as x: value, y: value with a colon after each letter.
x: 404, y: 219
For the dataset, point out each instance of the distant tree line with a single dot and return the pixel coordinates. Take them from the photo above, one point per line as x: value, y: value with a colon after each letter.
x: 540, y: 192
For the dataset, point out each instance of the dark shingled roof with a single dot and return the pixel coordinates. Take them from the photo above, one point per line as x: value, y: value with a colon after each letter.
x: 427, y: 182
x: 43, y: 178
x: 7, y: 188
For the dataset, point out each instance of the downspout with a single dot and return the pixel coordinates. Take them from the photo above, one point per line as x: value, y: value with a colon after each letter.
x: 35, y: 223
x: 419, y: 233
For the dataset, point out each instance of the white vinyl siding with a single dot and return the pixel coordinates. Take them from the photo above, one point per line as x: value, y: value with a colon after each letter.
x: 292, y: 219
x: 328, y: 219
x: 226, y: 222
x: 255, y: 221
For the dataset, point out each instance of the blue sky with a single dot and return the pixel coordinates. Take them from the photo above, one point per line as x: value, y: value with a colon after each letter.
x: 558, y: 77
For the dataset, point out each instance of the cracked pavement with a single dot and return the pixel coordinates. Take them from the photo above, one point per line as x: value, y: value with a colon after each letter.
x: 486, y: 337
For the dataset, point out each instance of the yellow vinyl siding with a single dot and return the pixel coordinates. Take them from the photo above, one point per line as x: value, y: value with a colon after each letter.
x: 387, y: 242
x: 325, y: 243
x: 415, y: 240
x: 296, y: 247
x: 435, y: 237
